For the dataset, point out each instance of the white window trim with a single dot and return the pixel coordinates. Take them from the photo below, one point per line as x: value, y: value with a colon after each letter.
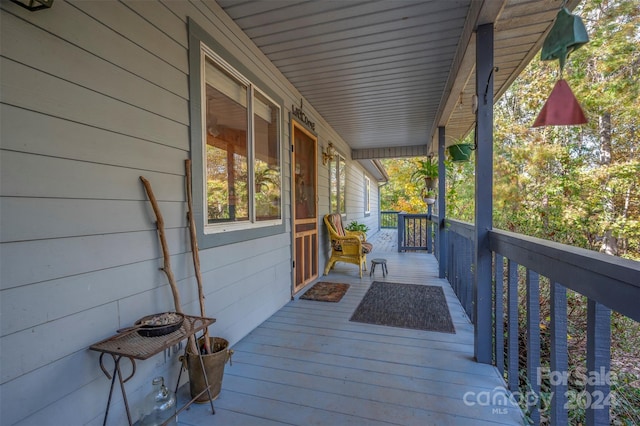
x: 222, y: 227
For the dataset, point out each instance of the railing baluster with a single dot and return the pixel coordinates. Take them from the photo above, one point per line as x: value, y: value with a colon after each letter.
x: 462, y: 273
x: 427, y: 226
x: 450, y: 259
x: 455, y: 261
x: 462, y: 249
x: 533, y: 343
x: 414, y: 232
x: 598, y: 364
x: 559, y: 355
x: 459, y: 262
x: 468, y: 279
x: 498, y: 309
x: 512, y: 324
x: 400, y: 232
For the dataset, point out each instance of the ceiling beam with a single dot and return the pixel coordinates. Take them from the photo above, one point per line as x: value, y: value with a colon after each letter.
x: 389, y: 152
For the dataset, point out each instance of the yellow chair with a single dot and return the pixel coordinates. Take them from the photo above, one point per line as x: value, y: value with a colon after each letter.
x: 346, y: 246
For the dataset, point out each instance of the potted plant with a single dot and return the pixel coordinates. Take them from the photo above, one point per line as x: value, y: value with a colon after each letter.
x: 355, y: 226
x: 460, y: 151
x: 429, y: 195
x: 427, y: 170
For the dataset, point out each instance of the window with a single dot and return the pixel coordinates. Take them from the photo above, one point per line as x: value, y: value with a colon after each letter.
x: 338, y: 184
x: 236, y: 146
x: 367, y: 195
x: 242, y: 150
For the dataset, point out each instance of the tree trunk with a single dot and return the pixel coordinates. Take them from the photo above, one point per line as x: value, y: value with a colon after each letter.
x: 609, y: 242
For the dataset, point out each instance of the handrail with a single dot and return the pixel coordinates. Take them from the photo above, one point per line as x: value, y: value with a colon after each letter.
x: 389, y: 219
x: 414, y: 232
x: 465, y: 229
x: 610, y: 280
x: 460, y: 256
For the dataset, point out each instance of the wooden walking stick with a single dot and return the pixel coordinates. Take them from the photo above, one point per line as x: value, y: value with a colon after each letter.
x: 194, y: 250
x: 167, y: 259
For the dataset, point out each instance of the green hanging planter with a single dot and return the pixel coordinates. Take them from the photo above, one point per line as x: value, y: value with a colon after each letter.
x: 460, y: 152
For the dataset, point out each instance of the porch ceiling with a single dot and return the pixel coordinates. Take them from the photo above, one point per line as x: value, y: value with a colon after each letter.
x: 386, y: 74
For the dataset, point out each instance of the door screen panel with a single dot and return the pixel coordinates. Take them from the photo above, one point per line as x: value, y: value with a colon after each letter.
x: 305, y: 206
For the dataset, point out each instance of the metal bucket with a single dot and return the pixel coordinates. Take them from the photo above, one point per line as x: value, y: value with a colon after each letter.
x: 213, y: 365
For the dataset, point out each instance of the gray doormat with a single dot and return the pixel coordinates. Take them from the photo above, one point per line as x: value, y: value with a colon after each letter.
x: 421, y: 307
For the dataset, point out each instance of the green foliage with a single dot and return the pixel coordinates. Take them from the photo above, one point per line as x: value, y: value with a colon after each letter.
x: 429, y: 193
x: 355, y: 226
x: 402, y: 193
x: 460, y: 189
x: 574, y: 184
x: 425, y: 169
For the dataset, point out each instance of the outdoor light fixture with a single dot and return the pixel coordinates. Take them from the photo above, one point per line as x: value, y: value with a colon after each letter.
x: 328, y: 153
x: 34, y: 5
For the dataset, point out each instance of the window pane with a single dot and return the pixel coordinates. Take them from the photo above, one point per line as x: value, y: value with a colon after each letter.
x: 342, y: 175
x: 337, y: 185
x: 305, y: 175
x: 367, y: 195
x: 267, y: 158
x: 226, y: 146
x: 333, y: 184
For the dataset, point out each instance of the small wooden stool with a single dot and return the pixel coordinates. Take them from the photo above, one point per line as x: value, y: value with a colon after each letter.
x: 382, y: 262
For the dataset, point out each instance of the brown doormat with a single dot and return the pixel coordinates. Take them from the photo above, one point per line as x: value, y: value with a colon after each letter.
x: 326, y: 292
x: 421, y: 307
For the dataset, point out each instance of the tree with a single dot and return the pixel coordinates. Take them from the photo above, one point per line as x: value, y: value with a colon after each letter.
x: 577, y: 185
x: 402, y: 193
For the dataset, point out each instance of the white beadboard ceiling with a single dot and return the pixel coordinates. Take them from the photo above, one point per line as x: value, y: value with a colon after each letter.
x: 385, y: 74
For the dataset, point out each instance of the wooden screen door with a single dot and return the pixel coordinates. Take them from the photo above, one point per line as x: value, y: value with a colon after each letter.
x: 305, y: 209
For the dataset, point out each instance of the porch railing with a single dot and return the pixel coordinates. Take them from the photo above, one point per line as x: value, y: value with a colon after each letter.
x: 608, y: 282
x: 461, y: 252
x: 415, y: 232
x: 389, y: 219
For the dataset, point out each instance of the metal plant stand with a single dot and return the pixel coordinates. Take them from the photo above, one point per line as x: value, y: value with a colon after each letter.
x: 132, y: 346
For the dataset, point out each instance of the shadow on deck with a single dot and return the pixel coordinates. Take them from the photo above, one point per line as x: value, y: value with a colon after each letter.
x: 308, y: 364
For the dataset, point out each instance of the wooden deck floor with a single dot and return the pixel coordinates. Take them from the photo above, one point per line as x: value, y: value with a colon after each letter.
x: 309, y: 365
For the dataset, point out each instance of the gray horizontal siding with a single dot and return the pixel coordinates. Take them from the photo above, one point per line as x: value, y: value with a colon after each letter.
x: 42, y: 50
x: 71, y: 24
x: 29, y: 262
x: 46, y: 218
x: 28, y: 306
x: 131, y: 26
x: 34, y: 90
x: 37, y: 133
x: 93, y: 96
x: 28, y: 175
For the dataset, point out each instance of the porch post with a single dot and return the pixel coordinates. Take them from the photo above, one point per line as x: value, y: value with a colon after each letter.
x: 442, y: 235
x: 483, y: 187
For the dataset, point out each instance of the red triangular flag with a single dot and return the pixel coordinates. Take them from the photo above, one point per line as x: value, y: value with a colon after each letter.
x: 561, y: 109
